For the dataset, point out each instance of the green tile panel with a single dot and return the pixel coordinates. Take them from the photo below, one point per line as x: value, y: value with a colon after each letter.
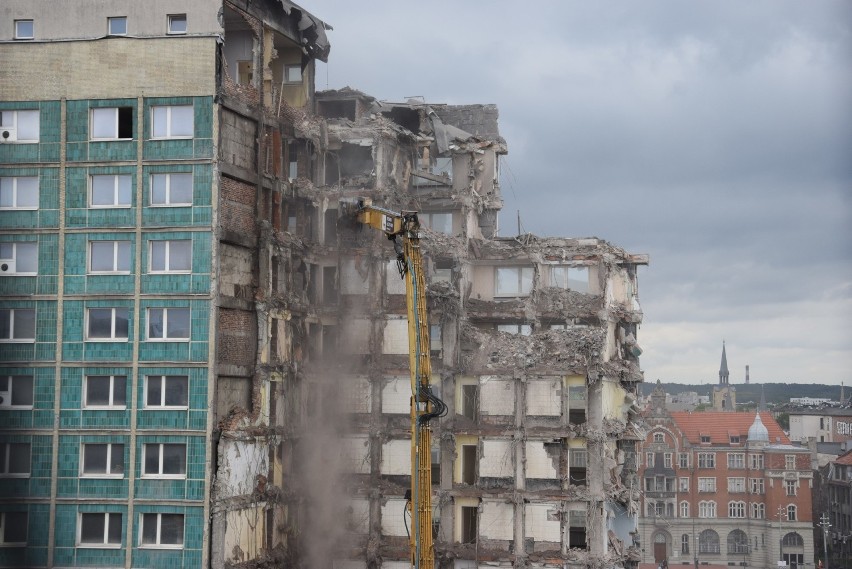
x: 71, y: 484
x: 198, y: 147
x: 78, y: 213
x: 47, y: 214
x: 74, y: 346
x: 80, y: 148
x: 37, y: 485
x: 77, y: 279
x: 199, y: 214
x: 41, y: 415
x: 45, y: 282
x: 189, y: 556
x: 47, y: 148
x: 68, y: 554
x: 44, y: 347
x: 196, y: 349
x: 198, y: 281
x: 193, y: 418
x: 35, y: 552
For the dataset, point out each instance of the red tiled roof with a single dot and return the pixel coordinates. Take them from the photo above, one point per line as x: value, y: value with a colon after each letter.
x: 845, y: 459
x: 719, y: 425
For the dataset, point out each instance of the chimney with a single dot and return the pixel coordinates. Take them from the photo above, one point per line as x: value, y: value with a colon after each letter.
x: 746, y: 375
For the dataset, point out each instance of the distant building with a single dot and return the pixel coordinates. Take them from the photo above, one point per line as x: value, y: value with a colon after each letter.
x: 810, y: 400
x: 827, y: 425
x: 723, y: 488
x: 724, y: 394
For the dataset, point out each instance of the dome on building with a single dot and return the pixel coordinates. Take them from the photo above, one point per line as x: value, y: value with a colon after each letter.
x: 758, y: 431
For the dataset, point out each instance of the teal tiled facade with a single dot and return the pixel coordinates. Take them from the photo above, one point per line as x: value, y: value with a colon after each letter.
x: 69, y: 369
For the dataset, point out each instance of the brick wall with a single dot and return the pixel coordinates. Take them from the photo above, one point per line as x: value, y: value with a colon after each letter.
x: 237, y: 337
x: 238, y: 201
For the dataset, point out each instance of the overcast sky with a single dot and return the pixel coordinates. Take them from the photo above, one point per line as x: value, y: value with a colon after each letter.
x: 715, y: 136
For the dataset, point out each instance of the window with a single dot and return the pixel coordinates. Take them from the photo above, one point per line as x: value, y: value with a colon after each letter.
x: 16, y: 392
x: 522, y: 329
x: 513, y: 281
x: 17, y: 325
x: 684, y: 543
x: 708, y: 542
x: 172, y: 189
x: 758, y: 511
x: 110, y: 191
x: 99, y: 529
x: 791, y: 513
x: 105, y: 391
x: 440, y: 222
x: 109, y: 257
x: 572, y: 278
x: 736, y: 484
x: 756, y: 461
x: 162, y: 530
x: 683, y: 484
x: 245, y: 74
x: 735, y: 439
x: 683, y: 460
x: 102, y: 460
x: 706, y: 484
x: 24, y: 30
x: 19, y: 258
x: 790, y: 486
x: 659, y: 437
x: 166, y: 391
x: 684, y: 509
x: 736, y: 460
x: 105, y: 324
x: 757, y: 486
x: 177, y: 23
x: 175, y: 121
x: 19, y: 126
x: 649, y: 459
x: 292, y: 73
x: 706, y: 460
x: 168, y: 324
x: 707, y: 509
x: 292, y: 166
x: 117, y: 26
x: 667, y: 460
x: 470, y: 400
x: 19, y: 192
x: 705, y: 438
x: 790, y: 462
x: 171, y: 256
x: 112, y: 123
x: 15, y: 460
x: 737, y: 542
x: 165, y: 460
x: 736, y: 510
x: 13, y: 528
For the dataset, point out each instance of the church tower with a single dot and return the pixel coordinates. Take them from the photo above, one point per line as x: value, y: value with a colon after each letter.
x: 723, y: 369
x: 724, y: 394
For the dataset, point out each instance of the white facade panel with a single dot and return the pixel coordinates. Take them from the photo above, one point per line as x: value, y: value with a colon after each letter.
x: 393, y: 522
x: 497, y: 520
x: 355, y: 453
x: 541, y: 522
x: 395, y: 283
x: 355, y: 338
x: 396, y: 336
x: 496, y: 396
x: 354, y: 277
x: 539, y: 463
x: 544, y: 397
x: 496, y: 460
x: 396, y: 457
x: 396, y: 395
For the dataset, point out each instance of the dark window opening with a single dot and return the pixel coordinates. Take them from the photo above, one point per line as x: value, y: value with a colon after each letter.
x: 330, y: 234
x: 405, y: 117
x: 329, y: 339
x: 470, y: 401
x: 469, y: 464
x: 292, y: 160
x: 351, y: 160
x: 329, y: 285
x: 468, y: 522
x: 337, y: 109
x: 125, y: 122
x: 436, y: 466
x: 313, y: 283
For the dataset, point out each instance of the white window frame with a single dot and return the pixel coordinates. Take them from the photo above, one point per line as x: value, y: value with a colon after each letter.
x: 165, y: 337
x: 168, y: 246
x: 4, y: 180
x: 790, y: 487
x: 683, y: 460
x: 116, y: 191
x: 706, y: 460
x: 794, y: 510
x: 659, y: 438
x: 736, y: 484
x: 569, y: 271
x: 736, y: 460
x: 175, y: 19
x: 520, y: 271
x: 168, y: 180
x: 105, y: 544
x: 758, y: 510
x: 111, y: 20
x: 756, y: 461
x: 428, y: 220
x: 159, y: 518
x: 684, y: 509
x: 6, y: 449
x: 12, y: 339
x: 789, y: 462
x: 116, y: 247
x: 707, y: 484
x: 649, y: 459
x: 736, y: 509
x: 517, y: 329
x: 160, y: 474
x: 112, y: 337
x: 112, y: 392
x: 116, y: 121
x: 667, y: 460
x: 110, y: 450
x: 286, y: 71
x: 14, y: 126
x: 7, y: 394
x: 4, y: 525
x: 707, y: 509
x: 169, y: 135
x: 164, y: 382
x: 11, y: 262
x: 22, y: 36
x: 683, y: 484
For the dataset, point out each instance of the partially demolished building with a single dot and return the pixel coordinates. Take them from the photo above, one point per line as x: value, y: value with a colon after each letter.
x: 231, y: 384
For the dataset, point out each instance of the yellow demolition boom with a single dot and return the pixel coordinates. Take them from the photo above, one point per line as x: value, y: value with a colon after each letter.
x: 403, y: 229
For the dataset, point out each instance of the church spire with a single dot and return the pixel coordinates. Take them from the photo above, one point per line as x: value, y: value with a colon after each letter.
x: 723, y: 370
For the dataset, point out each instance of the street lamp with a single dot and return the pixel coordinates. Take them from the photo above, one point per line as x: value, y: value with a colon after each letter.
x: 781, y: 513
x: 823, y: 523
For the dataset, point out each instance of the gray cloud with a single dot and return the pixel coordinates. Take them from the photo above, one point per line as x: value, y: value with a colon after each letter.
x: 715, y: 136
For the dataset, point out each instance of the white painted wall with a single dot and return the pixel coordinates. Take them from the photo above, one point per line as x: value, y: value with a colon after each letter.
x: 543, y: 397
x: 359, y: 515
x: 392, y: 517
x: 396, y: 457
x: 240, y: 464
x: 396, y: 335
x: 352, y: 281
x: 245, y: 531
x: 496, y: 459
x: 357, y: 392
x: 396, y: 395
x: 355, y: 338
x: 539, y: 463
x: 355, y: 453
x: 395, y: 284
x: 497, y: 520
x: 496, y: 396
x: 538, y: 526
